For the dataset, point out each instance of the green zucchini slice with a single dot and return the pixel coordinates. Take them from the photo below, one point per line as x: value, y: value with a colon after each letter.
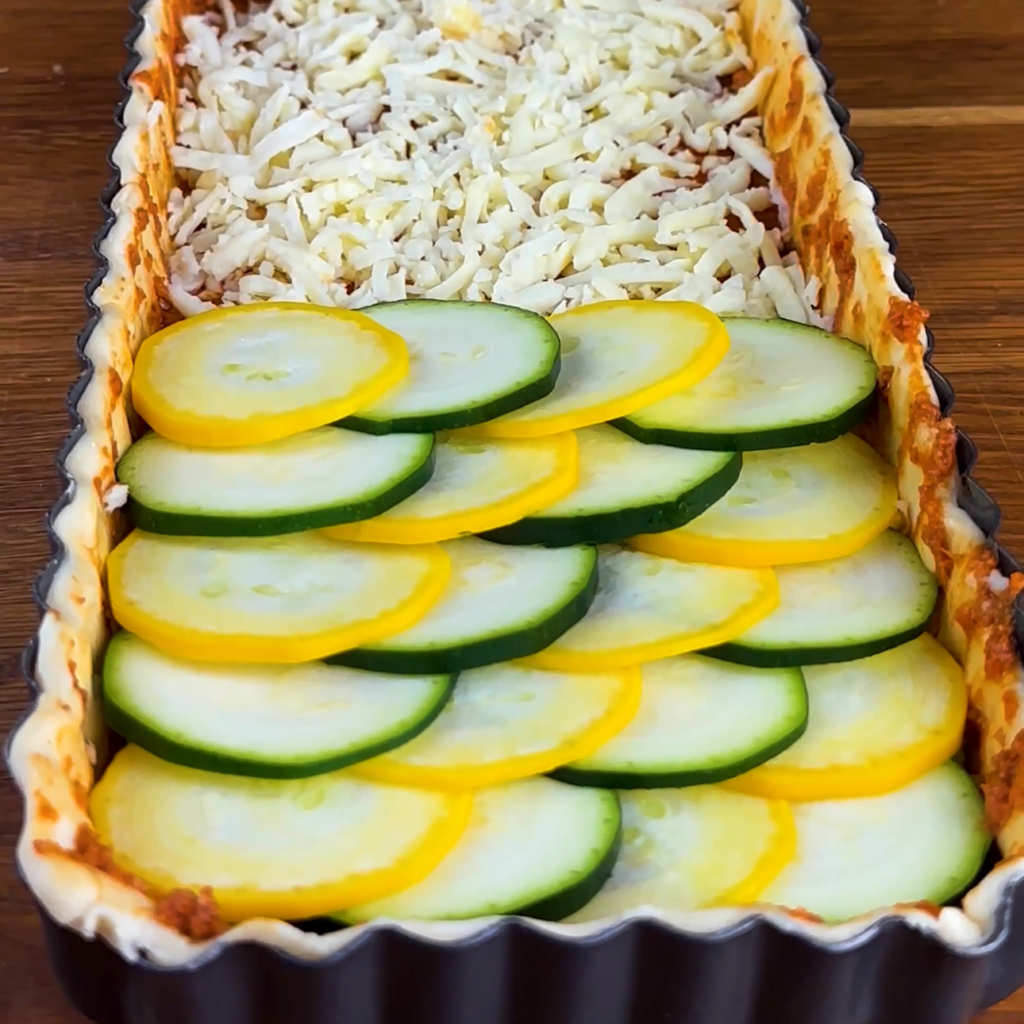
x: 925, y: 841
x: 534, y: 847
x: 501, y: 603
x: 843, y: 609
x: 322, y: 477
x: 782, y: 384
x: 699, y: 721
x: 626, y: 488
x: 468, y: 363
x: 267, y: 721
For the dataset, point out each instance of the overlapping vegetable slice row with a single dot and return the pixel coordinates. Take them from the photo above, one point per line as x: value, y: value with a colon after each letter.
x: 385, y: 652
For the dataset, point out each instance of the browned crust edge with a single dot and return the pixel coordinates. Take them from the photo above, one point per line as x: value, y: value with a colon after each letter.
x: 837, y: 235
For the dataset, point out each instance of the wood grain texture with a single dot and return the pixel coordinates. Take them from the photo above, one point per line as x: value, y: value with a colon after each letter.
x: 917, y: 53
x: 959, y: 222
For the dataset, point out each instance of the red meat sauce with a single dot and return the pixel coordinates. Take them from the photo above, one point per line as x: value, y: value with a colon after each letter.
x: 1003, y: 785
x: 192, y: 914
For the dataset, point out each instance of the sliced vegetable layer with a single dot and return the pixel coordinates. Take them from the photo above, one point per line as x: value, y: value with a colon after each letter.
x: 468, y: 362
x: 320, y: 477
x: 268, y: 721
x: 618, y: 357
x: 875, y: 725
x: 271, y: 847
x: 249, y: 374
x: 278, y: 599
x: 508, y: 721
x: 478, y: 484
x: 688, y: 848
x: 699, y: 721
x: 626, y: 488
x: 500, y: 603
x: 845, y: 608
x: 533, y: 847
x: 804, y: 504
x: 925, y: 841
x: 648, y: 607
x: 781, y: 384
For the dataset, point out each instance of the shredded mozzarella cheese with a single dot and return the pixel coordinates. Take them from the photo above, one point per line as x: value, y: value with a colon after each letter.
x: 541, y: 153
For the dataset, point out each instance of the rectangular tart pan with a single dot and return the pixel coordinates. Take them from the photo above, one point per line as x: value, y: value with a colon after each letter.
x: 638, y: 971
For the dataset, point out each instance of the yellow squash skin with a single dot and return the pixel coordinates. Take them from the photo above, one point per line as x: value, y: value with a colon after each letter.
x: 211, y: 428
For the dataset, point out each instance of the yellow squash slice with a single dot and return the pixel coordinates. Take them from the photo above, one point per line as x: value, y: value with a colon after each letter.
x: 790, y: 505
x: 296, y: 597
x: 249, y: 374
x: 701, y: 846
x: 278, y: 848
x: 648, y: 607
x: 874, y: 725
x: 618, y: 357
x: 478, y: 484
x: 509, y: 721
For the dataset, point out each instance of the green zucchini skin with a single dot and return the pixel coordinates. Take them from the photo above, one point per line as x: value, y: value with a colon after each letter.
x: 561, y: 905
x: 516, y: 332
x: 841, y: 609
x: 789, y: 436
x: 619, y: 524
x: 753, y: 401
x: 191, y: 524
x: 609, y: 779
x: 136, y: 731
x: 796, y: 657
x: 455, y: 419
x: 561, y: 902
x: 925, y: 841
x: 488, y: 651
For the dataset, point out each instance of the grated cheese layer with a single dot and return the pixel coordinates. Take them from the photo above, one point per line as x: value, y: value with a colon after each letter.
x: 541, y: 153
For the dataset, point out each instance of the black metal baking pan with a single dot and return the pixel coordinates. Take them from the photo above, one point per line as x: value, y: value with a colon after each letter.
x: 514, y: 972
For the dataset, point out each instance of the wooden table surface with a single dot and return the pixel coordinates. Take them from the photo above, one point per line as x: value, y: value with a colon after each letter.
x: 938, y: 103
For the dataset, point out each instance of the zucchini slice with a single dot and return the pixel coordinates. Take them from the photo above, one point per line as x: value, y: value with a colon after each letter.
x: 875, y: 725
x: 268, y: 721
x: 626, y: 488
x: 501, y: 603
x: 278, y: 848
x: 683, y: 849
x: 618, y: 357
x: 277, y: 599
x: 648, y: 607
x: 533, y: 847
x: 782, y: 384
x: 925, y: 841
x: 790, y: 505
x: 843, y: 609
x: 468, y: 362
x: 320, y: 477
x: 699, y: 721
x: 508, y: 721
x: 248, y: 374
x: 478, y: 485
